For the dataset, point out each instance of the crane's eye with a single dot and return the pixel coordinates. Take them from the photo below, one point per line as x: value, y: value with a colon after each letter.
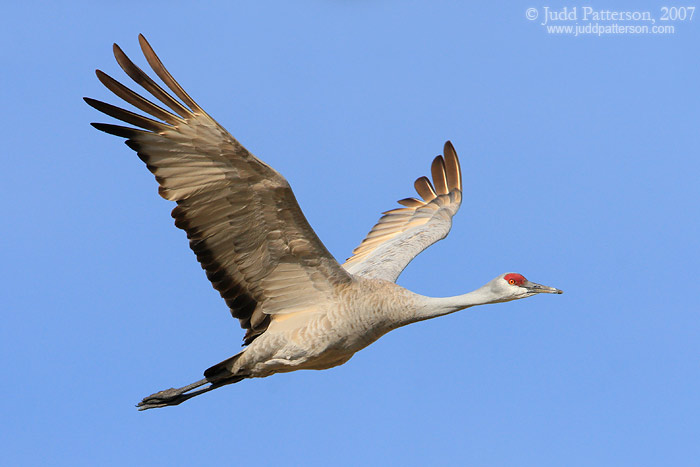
x: 514, y: 279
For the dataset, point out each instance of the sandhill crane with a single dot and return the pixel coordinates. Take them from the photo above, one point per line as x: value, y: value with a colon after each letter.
x: 299, y: 307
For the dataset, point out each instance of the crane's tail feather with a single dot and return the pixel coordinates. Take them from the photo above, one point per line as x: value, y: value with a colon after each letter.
x: 219, y: 375
x: 222, y: 370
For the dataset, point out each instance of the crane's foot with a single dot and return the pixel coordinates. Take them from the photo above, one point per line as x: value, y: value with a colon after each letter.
x: 177, y: 396
x: 174, y: 396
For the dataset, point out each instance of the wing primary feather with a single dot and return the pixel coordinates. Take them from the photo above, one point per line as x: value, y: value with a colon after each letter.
x: 143, y: 80
x: 425, y: 189
x: 437, y: 170
x: 241, y: 218
x: 127, y: 116
x: 118, y: 130
x: 452, y: 169
x: 410, y: 202
x: 165, y: 75
x: 402, y: 233
x: 136, y: 99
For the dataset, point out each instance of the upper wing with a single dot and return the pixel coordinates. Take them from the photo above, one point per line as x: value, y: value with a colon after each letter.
x: 240, y: 215
x: 402, y: 233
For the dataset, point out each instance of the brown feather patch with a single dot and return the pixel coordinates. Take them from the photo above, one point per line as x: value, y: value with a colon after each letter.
x: 164, y: 74
x: 136, y: 99
x: 143, y: 80
x: 425, y: 189
x: 452, y: 168
x: 437, y: 170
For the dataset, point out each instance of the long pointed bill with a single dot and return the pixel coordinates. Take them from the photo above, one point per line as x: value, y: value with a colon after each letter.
x: 539, y: 288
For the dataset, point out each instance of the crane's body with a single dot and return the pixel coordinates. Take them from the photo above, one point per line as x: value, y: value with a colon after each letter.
x: 361, y: 313
x: 300, y: 308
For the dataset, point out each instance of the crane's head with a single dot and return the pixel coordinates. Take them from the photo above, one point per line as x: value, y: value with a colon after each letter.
x: 512, y: 286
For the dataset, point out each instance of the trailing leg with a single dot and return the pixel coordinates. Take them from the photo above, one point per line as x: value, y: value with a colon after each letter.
x: 216, y: 376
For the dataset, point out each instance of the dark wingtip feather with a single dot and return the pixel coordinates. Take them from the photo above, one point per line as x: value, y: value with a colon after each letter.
x: 117, y: 51
x: 136, y: 99
x: 117, y: 130
x: 143, y: 42
x: 94, y: 103
x: 157, y: 66
x: 452, y: 168
x: 133, y: 145
x: 411, y: 202
x: 143, y: 80
x: 437, y: 170
x: 425, y: 188
x: 127, y: 116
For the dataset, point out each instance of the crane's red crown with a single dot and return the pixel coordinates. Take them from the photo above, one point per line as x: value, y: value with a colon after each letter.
x: 514, y: 279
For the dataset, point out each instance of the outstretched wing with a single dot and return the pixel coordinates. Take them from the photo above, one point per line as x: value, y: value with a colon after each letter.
x: 240, y: 215
x: 402, y: 233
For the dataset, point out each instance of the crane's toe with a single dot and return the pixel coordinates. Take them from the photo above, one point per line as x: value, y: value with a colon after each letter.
x: 173, y: 396
x: 163, y: 398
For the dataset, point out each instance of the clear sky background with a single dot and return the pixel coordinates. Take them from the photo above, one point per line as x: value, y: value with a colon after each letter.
x: 580, y: 159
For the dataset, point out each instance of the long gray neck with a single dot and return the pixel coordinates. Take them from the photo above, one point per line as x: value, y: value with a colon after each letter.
x: 429, y: 307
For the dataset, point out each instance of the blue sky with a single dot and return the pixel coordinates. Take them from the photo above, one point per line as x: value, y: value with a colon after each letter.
x: 580, y: 159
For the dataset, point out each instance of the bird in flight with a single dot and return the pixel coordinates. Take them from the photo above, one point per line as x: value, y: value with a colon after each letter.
x: 299, y: 307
